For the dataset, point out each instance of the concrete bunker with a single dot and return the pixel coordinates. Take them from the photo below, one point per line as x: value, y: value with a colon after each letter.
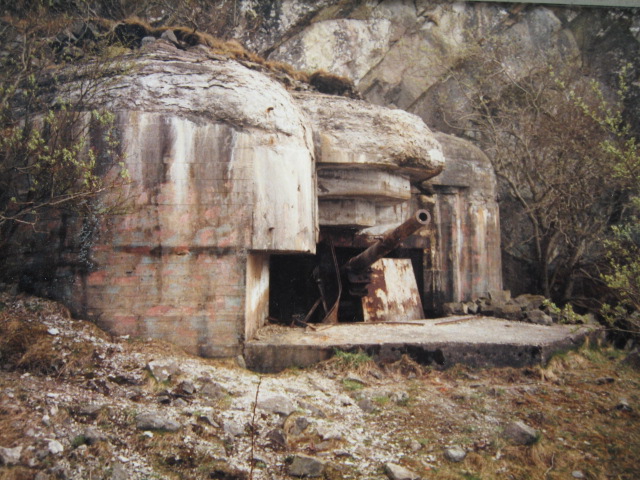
x: 242, y: 190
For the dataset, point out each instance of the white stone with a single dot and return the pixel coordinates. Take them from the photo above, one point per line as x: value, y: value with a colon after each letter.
x: 10, y: 456
x: 455, y: 453
x: 233, y: 428
x: 55, y: 447
x: 162, y: 370
x: 277, y: 404
x: 156, y: 421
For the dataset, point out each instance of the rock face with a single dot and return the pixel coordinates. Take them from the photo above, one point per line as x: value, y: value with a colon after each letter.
x: 398, y: 51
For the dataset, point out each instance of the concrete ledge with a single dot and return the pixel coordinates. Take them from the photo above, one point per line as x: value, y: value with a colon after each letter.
x: 442, y: 343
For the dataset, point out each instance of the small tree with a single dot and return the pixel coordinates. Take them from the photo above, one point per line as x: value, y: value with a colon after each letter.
x: 58, y: 151
x: 548, y: 154
x: 623, y: 243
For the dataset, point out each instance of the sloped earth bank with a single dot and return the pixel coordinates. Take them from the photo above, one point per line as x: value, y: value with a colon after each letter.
x: 77, y: 404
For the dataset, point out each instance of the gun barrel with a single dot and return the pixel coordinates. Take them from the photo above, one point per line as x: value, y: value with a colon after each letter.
x: 388, y: 242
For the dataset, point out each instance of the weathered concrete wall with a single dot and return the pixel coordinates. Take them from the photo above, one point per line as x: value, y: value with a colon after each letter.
x: 468, y: 223
x: 222, y: 174
x: 177, y: 267
x: 367, y: 158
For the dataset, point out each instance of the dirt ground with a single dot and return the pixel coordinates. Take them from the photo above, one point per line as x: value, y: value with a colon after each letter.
x: 71, y: 399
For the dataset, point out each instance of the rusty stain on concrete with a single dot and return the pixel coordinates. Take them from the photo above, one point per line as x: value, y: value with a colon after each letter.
x: 392, y: 293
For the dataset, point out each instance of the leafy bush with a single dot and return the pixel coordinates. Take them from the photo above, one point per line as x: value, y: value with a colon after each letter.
x: 624, y: 279
x: 58, y: 148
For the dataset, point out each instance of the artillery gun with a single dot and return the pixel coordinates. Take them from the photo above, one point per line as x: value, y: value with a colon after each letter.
x: 357, y: 272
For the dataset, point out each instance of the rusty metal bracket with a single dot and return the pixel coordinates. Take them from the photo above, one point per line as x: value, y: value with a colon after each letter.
x: 458, y: 320
x: 320, y: 284
x: 332, y: 316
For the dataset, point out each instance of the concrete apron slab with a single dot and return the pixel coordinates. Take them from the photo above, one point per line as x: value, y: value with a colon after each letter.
x: 442, y: 343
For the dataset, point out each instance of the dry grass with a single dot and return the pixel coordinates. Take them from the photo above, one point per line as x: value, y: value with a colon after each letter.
x: 129, y: 33
x: 11, y: 421
x: 26, y: 343
x: 342, y: 361
x: 17, y: 473
x: 572, y: 402
x: 276, y: 66
x: 406, y: 367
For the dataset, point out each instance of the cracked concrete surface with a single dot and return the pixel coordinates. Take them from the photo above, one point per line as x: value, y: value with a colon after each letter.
x: 444, y: 342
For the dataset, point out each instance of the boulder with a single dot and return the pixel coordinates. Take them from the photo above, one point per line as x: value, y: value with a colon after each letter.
x: 211, y: 389
x: 119, y: 472
x: 163, y: 371
x: 455, y: 308
x: 147, y: 41
x: 455, y: 453
x: 398, y: 472
x: 299, y: 425
x: 529, y: 301
x: 55, y: 447
x: 187, y: 388
x: 508, y: 311
x: 366, y: 405
x: 10, y: 456
x: 623, y: 405
x: 329, y: 432
x: 306, y: 466
x: 633, y: 360
x: 156, y: 421
x: 499, y: 296
x: 277, y: 439
x: 472, y: 307
x: 169, y: 36
x: 484, y: 306
x: 521, y: 434
x: 538, y: 317
x: 277, y: 404
x: 90, y: 410
x: 233, y: 428
x: 92, y: 436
